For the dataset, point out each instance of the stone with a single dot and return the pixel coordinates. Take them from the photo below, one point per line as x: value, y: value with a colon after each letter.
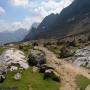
x: 44, y: 67
x: 82, y: 57
x: 48, y: 73
x: 2, y: 78
x: 36, y: 57
x: 35, y: 69
x: 13, y: 68
x: 3, y: 68
x: 47, y: 66
x: 17, y: 76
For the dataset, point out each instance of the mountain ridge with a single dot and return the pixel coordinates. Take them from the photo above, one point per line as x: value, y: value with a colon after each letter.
x: 72, y: 19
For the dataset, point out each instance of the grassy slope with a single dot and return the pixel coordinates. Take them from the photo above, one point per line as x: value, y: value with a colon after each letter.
x: 28, y: 78
x: 82, y: 82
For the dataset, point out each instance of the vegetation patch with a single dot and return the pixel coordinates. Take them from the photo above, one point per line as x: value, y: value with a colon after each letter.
x: 1, y: 49
x: 82, y: 82
x: 25, y: 48
x: 29, y: 80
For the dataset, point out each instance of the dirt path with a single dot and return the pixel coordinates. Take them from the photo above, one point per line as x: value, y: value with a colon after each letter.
x: 67, y: 71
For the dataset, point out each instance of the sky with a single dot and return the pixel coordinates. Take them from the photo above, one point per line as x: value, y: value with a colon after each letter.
x: 15, y: 14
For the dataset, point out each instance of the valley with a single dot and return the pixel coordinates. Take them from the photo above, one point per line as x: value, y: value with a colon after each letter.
x: 45, y: 45
x: 72, y: 77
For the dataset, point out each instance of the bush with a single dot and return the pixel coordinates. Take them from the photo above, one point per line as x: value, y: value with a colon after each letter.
x: 35, y: 44
x: 59, y: 43
x: 20, y: 47
x: 73, y: 43
x: 55, y: 78
x: 65, y: 52
x: 47, y: 44
x: 89, y: 38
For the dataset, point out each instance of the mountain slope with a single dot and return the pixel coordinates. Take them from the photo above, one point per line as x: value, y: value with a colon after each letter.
x: 73, y: 19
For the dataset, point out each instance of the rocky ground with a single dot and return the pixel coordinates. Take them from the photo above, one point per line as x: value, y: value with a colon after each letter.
x: 67, y: 71
x: 13, y: 59
x: 82, y: 57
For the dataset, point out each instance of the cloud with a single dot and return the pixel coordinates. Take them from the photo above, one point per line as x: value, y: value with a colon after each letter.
x: 2, y: 11
x: 19, y: 2
x: 38, y: 10
x: 15, y: 25
x: 46, y: 7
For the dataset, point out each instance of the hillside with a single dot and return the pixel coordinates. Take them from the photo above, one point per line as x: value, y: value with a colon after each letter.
x: 73, y: 19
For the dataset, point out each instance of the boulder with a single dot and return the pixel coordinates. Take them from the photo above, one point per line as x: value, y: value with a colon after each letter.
x: 44, y: 67
x: 2, y: 78
x: 17, y: 76
x: 36, y: 57
x: 48, y: 73
x: 12, y: 57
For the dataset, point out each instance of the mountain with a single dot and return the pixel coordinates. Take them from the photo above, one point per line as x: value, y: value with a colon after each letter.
x: 12, y: 36
x: 73, y: 19
x: 32, y: 32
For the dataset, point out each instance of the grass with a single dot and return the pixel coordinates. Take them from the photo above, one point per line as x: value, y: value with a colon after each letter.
x: 26, y: 49
x: 1, y: 49
x: 29, y: 79
x: 82, y: 82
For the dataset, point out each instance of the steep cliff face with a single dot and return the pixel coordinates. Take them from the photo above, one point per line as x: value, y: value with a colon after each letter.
x: 73, y: 19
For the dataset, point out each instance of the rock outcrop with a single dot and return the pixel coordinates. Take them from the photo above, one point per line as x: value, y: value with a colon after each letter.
x: 82, y: 57
x: 36, y: 57
x: 11, y: 59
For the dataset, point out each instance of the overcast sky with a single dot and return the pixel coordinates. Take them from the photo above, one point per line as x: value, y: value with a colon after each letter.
x: 15, y: 14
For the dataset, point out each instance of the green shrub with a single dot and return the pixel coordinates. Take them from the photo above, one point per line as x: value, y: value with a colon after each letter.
x: 20, y: 47
x: 1, y: 50
x: 59, y: 43
x: 47, y: 44
x: 73, y: 43
x: 89, y: 38
x: 35, y: 44
x: 65, y: 52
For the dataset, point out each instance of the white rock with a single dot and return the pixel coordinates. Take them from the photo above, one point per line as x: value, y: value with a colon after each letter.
x: 13, y: 56
x: 13, y: 68
x: 82, y: 56
x: 17, y: 76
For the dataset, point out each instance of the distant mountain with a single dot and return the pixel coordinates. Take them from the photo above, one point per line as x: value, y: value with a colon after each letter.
x: 12, y: 36
x: 32, y: 31
x: 73, y: 19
